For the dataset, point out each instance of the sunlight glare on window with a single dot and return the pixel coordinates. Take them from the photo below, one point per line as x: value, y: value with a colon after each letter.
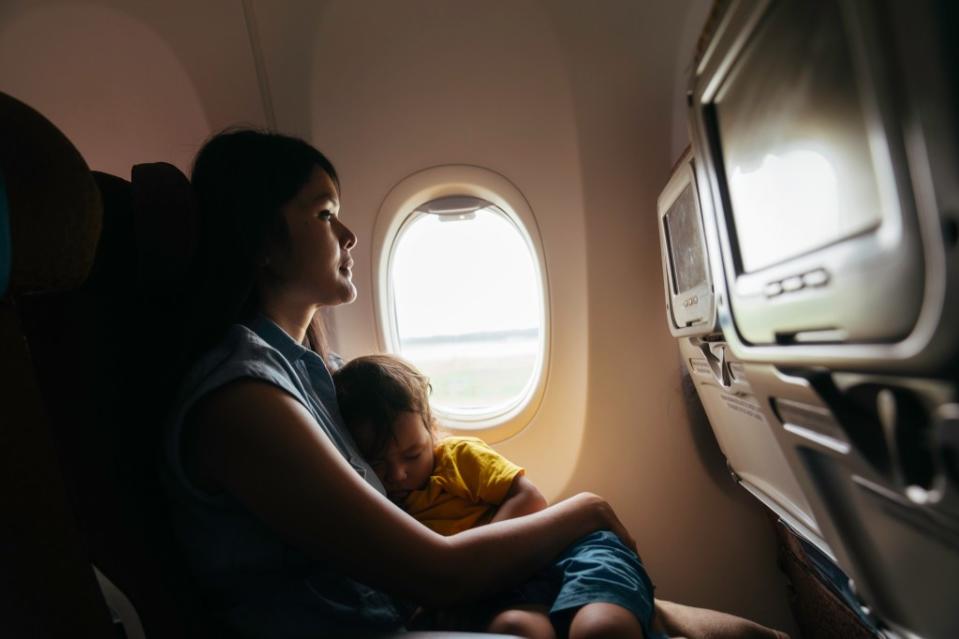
x: 468, y: 308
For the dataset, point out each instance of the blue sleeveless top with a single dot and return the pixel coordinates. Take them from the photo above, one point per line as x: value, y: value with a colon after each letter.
x: 257, y: 584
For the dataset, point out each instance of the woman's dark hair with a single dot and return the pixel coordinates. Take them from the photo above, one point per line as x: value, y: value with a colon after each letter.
x: 242, y: 179
x: 373, y: 390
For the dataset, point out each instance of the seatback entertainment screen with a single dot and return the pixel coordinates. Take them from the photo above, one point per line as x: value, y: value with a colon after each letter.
x: 684, y: 235
x: 687, y: 279
x: 794, y: 139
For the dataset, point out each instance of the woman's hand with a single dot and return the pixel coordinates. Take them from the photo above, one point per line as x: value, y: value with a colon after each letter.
x: 607, y: 518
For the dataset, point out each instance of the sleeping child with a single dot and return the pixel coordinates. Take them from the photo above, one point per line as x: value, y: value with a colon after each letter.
x: 455, y: 483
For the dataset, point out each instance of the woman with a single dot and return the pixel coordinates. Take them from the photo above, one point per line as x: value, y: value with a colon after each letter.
x: 287, y: 529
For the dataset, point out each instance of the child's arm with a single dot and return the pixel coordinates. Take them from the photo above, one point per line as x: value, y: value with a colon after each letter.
x: 523, y: 498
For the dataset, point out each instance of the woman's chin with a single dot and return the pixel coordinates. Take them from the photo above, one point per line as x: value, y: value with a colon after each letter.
x: 344, y: 293
x: 349, y: 293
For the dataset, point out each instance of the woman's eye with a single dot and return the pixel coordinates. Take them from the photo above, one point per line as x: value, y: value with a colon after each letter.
x: 326, y: 214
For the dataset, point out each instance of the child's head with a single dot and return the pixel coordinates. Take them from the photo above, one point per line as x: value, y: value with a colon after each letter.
x: 385, y: 404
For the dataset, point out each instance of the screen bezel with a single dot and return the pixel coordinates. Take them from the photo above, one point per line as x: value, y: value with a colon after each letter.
x: 865, y: 270
x: 690, y: 312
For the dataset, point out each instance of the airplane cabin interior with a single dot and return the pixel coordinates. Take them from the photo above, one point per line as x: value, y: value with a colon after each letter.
x: 698, y: 257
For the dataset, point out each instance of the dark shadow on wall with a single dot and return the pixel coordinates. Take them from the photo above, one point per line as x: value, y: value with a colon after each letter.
x: 707, y: 448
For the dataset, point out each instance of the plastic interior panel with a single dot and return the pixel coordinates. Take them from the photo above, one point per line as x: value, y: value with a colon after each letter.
x: 745, y: 435
x: 911, y: 559
x: 878, y: 286
x: 690, y: 310
x: 5, y: 242
x: 853, y: 441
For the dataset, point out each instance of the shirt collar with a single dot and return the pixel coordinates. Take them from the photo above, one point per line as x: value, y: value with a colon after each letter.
x: 271, y: 333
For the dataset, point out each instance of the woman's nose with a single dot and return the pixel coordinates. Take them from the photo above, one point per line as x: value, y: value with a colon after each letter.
x: 347, y: 237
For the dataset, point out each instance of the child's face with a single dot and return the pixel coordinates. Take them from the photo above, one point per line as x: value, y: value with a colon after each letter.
x: 407, y: 462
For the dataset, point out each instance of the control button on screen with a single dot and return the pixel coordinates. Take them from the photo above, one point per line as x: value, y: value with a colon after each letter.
x: 793, y: 283
x: 819, y: 277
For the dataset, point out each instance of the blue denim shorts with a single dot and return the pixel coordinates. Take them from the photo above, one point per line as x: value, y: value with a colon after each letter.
x: 598, y: 568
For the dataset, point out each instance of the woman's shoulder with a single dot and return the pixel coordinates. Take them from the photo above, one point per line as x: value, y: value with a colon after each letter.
x: 240, y: 354
x: 240, y: 350
x: 240, y: 341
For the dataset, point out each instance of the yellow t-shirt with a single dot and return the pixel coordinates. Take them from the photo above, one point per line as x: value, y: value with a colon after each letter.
x: 468, y: 483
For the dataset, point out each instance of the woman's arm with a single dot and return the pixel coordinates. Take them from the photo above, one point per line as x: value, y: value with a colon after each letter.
x: 523, y: 498
x: 257, y: 443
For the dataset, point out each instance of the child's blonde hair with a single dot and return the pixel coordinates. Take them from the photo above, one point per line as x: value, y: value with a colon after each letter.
x: 373, y: 390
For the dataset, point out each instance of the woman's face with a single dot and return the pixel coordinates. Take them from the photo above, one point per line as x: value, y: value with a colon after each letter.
x: 316, y: 265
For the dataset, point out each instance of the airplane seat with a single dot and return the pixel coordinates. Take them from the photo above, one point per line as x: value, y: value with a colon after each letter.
x: 85, y: 307
x: 103, y: 355
x: 50, y: 223
x: 165, y: 225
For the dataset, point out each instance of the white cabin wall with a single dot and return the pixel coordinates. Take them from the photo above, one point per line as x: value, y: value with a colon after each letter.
x: 131, y: 81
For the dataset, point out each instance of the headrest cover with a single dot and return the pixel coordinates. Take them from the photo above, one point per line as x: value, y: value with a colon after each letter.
x: 53, y: 203
x: 4, y: 239
x: 165, y: 212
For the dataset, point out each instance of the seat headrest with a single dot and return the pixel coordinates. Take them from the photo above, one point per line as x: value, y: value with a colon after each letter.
x: 53, y: 205
x: 4, y: 239
x: 166, y: 222
x: 114, y: 269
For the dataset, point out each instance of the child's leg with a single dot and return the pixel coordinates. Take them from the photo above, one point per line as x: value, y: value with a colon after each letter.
x: 605, y: 621
x: 702, y: 623
x: 605, y: 591
x: 531, y: 622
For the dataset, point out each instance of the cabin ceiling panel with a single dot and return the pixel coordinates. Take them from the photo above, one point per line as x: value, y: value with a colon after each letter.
x: 131, y: 81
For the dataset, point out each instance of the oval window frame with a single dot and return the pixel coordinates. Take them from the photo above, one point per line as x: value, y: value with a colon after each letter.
x: 398, y: 207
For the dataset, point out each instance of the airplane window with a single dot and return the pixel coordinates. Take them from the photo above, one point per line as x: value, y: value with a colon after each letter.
x: 467, y: 303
